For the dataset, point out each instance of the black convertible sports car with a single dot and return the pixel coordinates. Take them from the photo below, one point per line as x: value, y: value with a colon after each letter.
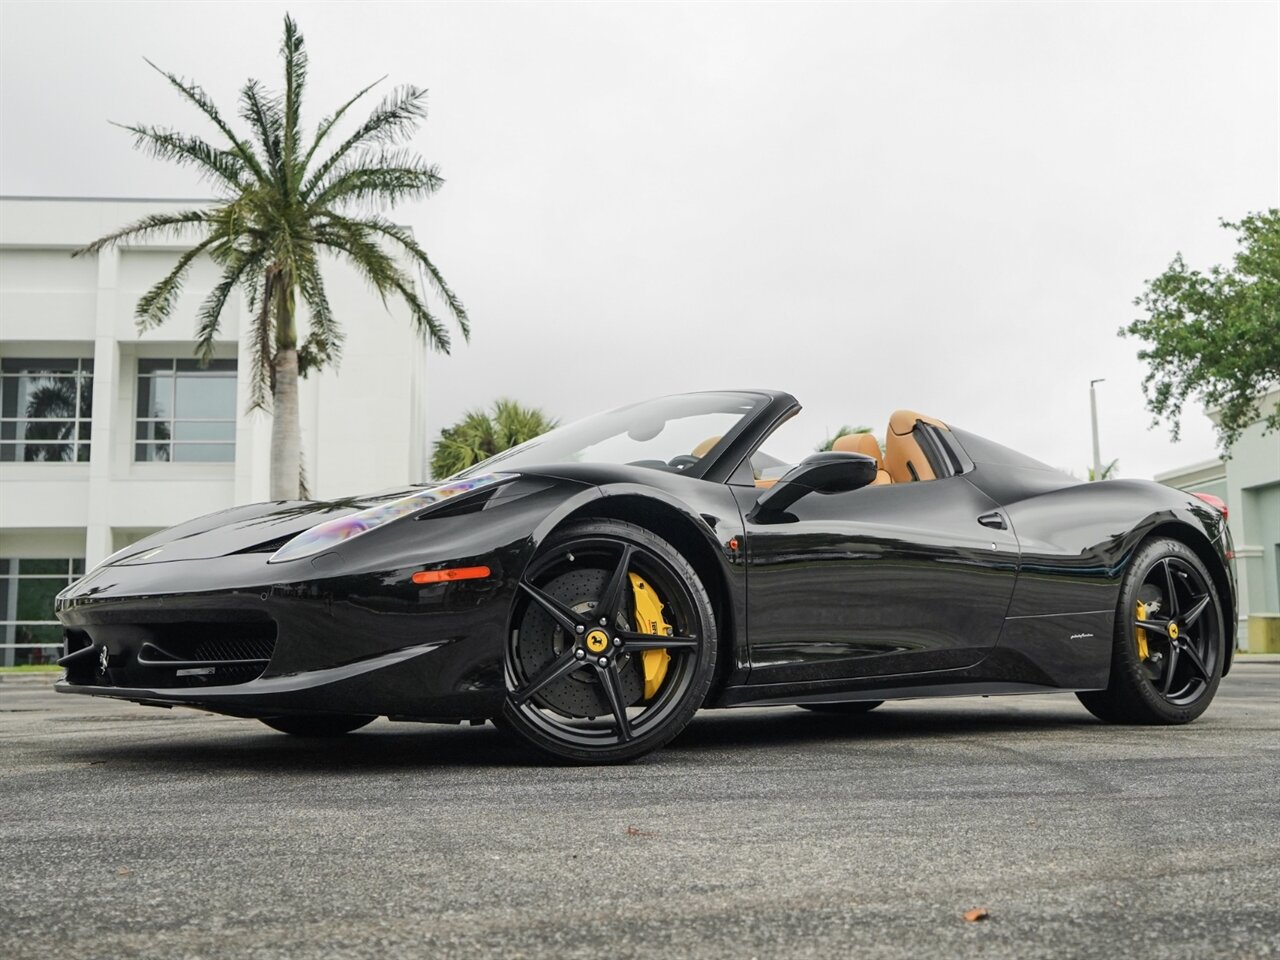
x: 590, y: 590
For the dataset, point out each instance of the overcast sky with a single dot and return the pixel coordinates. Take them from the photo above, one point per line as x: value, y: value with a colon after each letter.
x: 946, y: 207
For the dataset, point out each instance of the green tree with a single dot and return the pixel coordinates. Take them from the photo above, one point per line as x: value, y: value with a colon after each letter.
x: 840, y: 432
x: 480, y: 434
x: 285, y: 199
x: 1215, y: 337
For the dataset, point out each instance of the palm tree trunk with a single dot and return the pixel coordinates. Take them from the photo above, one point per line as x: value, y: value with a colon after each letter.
x: 286, y: 426
x: 286, y: 429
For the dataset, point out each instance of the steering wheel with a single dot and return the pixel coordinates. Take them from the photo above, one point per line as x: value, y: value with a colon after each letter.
x: 682, y: 461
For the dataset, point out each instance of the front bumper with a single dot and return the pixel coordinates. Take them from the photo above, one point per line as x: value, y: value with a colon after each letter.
x: 367, y: 642
x: 394, y: 684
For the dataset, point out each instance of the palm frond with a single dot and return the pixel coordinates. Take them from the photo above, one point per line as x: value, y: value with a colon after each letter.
x: 329, y: 122
x: 262, y: 378
x: 383, y: 177
x: 196, y: 95
x: 156, y: 305
x: 153, y: 224
x: 262, y: 112
x: 323, y: 343
x: 393, y: 119
x: 167, y: 144
x: 405, y: 239
x: 433, y: 333
x: 353, y: 240
x: 295, y: 83
x: 209, y: 316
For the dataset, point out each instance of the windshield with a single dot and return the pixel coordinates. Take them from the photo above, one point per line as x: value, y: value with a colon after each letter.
x: 670, y: 433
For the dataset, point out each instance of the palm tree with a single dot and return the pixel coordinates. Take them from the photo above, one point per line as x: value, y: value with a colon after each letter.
x: 281, y: 204
x: 479, y: 435
x: 841, y: 432
x: 1108, y: 472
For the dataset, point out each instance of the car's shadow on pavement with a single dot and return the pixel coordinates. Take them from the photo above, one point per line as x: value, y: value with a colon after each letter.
x: 247, y: 747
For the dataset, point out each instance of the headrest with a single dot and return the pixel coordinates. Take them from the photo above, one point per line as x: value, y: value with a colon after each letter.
x: 702, y: 449
x: 902, y: 422
x: 863, y: 443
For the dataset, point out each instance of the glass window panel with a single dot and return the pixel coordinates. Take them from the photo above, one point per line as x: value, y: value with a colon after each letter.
x: 9, y: 429
x: 86, y: 430
x: 204, y: 452
x: 153, y: 430
x: 154, y: 366
x: 155, y: 396
x: 77, y: 567
x: 30, y: 366
x: 45, y: 568
x: 35, y: 596
x: 204, y: 430
x: 43, y: 431
x: 9, y: 396
x: 9, y: 453
x: 47, y: 452
x: 213, y: 366
x: 144, y: 452
x: 38, y: 397
x: 86, y: 397
x: 206, y: 396
x: 82, y: 452
x: 50, y: 633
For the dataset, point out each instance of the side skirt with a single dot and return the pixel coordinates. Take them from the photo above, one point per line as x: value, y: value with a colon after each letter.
x: 763, y: 696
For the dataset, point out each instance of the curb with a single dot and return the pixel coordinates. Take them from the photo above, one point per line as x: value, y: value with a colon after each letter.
x: 30, y: 679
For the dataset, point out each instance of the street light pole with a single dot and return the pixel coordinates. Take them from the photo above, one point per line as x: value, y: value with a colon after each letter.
x: 1093, y: 413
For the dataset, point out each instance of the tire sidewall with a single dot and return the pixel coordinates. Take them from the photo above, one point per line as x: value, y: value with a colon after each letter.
x: 514, y: 722
x: 1131, y: 674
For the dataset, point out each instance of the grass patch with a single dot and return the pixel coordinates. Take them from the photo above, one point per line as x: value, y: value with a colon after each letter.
x: 32, y: 668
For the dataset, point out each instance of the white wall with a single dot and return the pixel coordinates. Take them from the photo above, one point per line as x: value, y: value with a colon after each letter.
x: 361, y: 422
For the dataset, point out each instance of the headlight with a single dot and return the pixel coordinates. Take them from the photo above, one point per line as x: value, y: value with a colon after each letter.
x: 329, y: 534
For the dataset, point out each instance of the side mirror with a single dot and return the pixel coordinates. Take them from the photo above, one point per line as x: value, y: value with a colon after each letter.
x: 831, y: 472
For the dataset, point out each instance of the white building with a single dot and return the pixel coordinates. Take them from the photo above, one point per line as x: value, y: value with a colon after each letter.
x: 106, y: 436
x: 1249, y: 484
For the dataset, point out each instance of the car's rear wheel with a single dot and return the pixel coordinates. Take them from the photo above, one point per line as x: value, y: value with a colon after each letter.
x: 846, y: 708
x: 317, y: 725
x: 1167, y: 657
x: 612, y: 645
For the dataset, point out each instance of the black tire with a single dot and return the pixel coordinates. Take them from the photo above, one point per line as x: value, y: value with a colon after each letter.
x: 572, y: 700
x: 317, y: 724
x: 847, y: 708
x: 1184, y: 640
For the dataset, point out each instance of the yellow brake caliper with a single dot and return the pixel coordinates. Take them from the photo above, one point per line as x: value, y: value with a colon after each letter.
x: 648, y: 619
x: 1141, y: 634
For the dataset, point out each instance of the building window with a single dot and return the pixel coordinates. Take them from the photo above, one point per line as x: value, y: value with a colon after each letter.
x: 28, y: 631
x: 46, y: 409
x: 186, y: 412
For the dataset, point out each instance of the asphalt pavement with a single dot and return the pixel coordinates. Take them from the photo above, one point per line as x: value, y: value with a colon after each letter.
x: 129, y: 831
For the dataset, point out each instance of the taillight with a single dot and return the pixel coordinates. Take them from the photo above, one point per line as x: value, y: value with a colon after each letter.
x: 1216, y: 502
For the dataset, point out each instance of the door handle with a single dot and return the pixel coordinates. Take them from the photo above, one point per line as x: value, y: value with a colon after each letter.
x: 995, y: 520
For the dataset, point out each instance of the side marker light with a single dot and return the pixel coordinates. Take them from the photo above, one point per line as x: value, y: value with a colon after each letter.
x: 451, y: 574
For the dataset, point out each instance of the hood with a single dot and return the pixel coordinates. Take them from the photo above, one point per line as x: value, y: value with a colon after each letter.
x: 258, y: 527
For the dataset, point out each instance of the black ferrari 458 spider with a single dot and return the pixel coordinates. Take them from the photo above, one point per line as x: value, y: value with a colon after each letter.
x: 592, y: 589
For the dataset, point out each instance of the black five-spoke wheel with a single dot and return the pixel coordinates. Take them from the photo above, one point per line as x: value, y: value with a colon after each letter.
x: 612, y: 646
x: 1169, y: 644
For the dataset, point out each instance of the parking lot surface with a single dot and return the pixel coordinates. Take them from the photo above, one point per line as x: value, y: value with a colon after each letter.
x: 140, y: 832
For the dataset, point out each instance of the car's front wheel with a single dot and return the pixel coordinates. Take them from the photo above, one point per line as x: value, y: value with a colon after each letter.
x: 612, y: 646
x: 1169, y: 645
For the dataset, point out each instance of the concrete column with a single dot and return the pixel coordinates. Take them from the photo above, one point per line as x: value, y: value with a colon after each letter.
x: 106, y: 369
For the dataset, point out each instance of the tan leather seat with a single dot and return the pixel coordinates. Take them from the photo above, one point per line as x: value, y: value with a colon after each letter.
x: 903, y: 457
x: 867, y: 445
